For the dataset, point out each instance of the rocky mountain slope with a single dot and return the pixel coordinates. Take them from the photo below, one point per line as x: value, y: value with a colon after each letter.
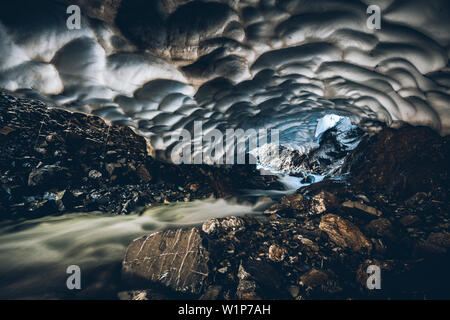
x: 53, y: 161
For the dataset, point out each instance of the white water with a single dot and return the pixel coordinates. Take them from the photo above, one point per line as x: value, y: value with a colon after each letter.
x: 34, y: 254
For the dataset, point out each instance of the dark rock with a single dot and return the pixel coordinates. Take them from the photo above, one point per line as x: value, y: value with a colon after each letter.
x: 49, y: 175
x: 380, y: 228
x: 260, y: 280
x: 143, y: 174
x: 363, y: 207
x: 173, y: 258
x: 377, y: 163
x: 436, y: 243
x: 277, y: 253
x: 409, y: 220
x: 141, y: 295
x: 229, y: 224
x: 344, y: 233
x: 322, y: 202
x: 294, y: 202
x: 308, y: 179
x: 232, y: 223
x: 294, y: 291
x: 211, y: 226
x: 211, y: 293
x: 314, y: 278
x: 309, y: 243
x: 94, y: 174
x: 441, y: 239
x: 246, y: 289
x: 40, y: 208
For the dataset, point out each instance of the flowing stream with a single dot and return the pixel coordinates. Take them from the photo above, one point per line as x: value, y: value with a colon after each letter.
x: 35, y: 254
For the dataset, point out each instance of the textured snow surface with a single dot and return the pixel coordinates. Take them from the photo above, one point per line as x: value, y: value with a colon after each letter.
x: 248, y: 64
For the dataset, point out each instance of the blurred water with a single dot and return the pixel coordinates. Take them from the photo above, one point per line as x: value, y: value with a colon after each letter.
x: 34, y: 254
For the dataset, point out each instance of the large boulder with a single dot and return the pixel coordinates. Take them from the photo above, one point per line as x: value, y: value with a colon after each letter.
x: 344, y: 233
x: 174, y: 258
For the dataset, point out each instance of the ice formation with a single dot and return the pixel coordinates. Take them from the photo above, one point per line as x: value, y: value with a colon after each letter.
x: 235, y: 64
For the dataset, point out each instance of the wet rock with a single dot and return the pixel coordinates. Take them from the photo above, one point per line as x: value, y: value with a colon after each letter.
x: 173, y: 258
x: 141, y: 295
x: 232, y: 223
x: 94, y: 174
x: 211, y: 293
x: 380, y: 228
x: 363, y: 207
x: 260, y: 280
x: 210, y: 226
x: 294, y: 201
x: 49, y: 175
x: 322, y: 202
x: 343, y: 233
x: 294, y: 291
x: 193, y: 187
x: 133, y: 295
x: 225, y: 226
x: 277, y: 253
x: 305, y: 256
x: 409, y: 220
x: 41, y: 207
x: 309, y: 243
x: 417, y: 199
x: 436, y: 243
x: 314, y: 278
x: 309, y: 179
x: 440, y: 238
x: 246, y: 289
x: 143, y: 174
x: 274, y: 209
